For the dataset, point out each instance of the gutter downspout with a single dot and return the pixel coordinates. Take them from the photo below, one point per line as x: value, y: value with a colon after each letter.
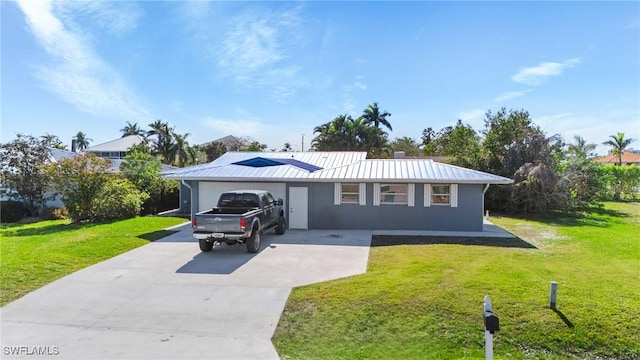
x: 484, y: 192
x: 191, y: 200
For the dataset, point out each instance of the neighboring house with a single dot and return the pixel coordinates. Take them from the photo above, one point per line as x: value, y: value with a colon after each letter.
x: 116, y: 146
x: 115, y: 149
x: 628, y: 158
x: 233, y: 143
x: 344, y: 190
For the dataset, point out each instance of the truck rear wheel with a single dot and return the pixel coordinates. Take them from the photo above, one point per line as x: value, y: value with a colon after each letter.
x: 253, y: 243
x: 282, y: 226
x: 205, y: 246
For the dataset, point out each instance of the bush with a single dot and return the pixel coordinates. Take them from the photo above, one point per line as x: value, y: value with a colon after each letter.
x: 12, y: 211
x: 117, y: 199
x: 55, y: 213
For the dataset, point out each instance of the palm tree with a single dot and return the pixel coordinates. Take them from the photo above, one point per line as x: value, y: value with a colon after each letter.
x: 619, y: 144
x: 580, y: 149
x: 82, y: 141
x: 180, y: 151
x: 132, y: 129
x: 163, y: 141
x: 53, y: 141
x: 372, y: 115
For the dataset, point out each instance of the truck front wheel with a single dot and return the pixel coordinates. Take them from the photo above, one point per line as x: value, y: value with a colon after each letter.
x: 281, y: 227
x: 205, y: 246
x: 253, y: 242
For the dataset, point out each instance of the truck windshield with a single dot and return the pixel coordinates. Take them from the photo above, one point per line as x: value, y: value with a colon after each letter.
x: 238, y: 200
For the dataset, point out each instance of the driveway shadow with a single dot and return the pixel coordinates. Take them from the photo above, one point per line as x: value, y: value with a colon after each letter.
x: 390, y: 240
x: 324, y: 237
x: 222, y: 260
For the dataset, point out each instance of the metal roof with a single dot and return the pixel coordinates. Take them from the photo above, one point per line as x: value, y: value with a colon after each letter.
x: 337, y: 166
x: 407, y: 170
x: 323, y: 159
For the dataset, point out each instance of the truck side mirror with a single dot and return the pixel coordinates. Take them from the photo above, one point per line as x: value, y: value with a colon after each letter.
x: 491, y: 322
x: 280, y: 202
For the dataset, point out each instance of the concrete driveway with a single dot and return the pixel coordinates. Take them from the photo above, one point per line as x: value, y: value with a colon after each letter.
x: 167, y: 300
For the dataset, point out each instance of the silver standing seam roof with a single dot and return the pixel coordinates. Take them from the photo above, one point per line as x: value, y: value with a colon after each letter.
x: 336, y: 166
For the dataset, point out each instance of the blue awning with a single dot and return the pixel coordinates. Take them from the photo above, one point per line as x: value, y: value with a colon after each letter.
x: 264, y: 162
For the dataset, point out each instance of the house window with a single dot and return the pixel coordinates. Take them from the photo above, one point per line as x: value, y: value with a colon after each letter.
x: 350, y: 194
x: 440, y: 194
x: 394, y: 194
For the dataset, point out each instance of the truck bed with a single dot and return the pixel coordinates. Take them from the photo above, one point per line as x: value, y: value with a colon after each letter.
x: 229, y: 210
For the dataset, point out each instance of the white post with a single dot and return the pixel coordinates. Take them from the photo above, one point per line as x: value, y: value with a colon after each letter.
x: 553, y: 292
x: 488, y: 336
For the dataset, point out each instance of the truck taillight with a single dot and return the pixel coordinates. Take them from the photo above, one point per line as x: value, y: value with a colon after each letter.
x: 243, y: 223
x: 194, y: 222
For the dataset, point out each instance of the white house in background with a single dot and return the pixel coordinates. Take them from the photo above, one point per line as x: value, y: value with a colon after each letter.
x: 115, y: 149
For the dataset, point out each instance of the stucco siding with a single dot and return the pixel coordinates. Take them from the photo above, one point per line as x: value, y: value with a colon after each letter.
x: 324, y: 214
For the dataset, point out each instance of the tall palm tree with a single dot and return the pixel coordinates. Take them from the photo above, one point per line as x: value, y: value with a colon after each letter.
x: 53, y: 141
x: 373, y: 115
x: 82, y: 141
x: 132, y: 129
x: 180, y: 151
x: 163, y: 141
x: 618, y: 144
x: 580, y: 149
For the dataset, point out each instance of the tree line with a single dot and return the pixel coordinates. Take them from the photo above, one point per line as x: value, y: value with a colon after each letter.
x: 549, y: 174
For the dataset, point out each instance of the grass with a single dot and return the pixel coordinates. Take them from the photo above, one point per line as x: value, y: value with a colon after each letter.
x: 33, y: 255
x: 425, y: 301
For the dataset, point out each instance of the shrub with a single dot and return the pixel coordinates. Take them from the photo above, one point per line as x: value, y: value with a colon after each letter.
x: 12, y: 211
x: 55, y: 213
x: 117, y: 199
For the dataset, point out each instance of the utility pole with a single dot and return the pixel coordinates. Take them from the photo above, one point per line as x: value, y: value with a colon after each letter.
x: 302, y: 142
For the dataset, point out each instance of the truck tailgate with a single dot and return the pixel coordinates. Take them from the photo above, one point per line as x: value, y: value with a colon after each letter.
x: 218, y: 224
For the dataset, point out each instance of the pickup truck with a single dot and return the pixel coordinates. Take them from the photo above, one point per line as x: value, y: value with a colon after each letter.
x: 240, y: 217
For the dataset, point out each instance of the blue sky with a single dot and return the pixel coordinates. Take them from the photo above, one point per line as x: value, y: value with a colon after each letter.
x: 272, y: 71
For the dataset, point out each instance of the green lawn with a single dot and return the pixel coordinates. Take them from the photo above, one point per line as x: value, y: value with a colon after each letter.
x: 32, y: 255
x: 425, y: 301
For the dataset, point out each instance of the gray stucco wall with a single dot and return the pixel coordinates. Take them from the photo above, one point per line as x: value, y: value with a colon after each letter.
x: 185, y: 199
x: 323, y: 214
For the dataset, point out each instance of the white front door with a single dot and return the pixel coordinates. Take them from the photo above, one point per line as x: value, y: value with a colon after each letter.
x: 298, y: 208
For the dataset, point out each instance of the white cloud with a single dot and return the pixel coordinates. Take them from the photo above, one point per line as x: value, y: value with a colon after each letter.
x: 117, y: 18
x: 76, y: 73
x: 360, y: 85
x: 594, y: 128
x: 473, y: 117
x: 244, y: 128
x: 252, y: 47
x: 536, y: 75
x: 511, y: 95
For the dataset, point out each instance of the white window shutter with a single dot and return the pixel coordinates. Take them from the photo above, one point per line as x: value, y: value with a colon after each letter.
x: 363, y: 194
x: 376, y: 194
x: 411, y: 195
x: 454, y: 195
x: 427, y: 195
x: 337, y: 193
